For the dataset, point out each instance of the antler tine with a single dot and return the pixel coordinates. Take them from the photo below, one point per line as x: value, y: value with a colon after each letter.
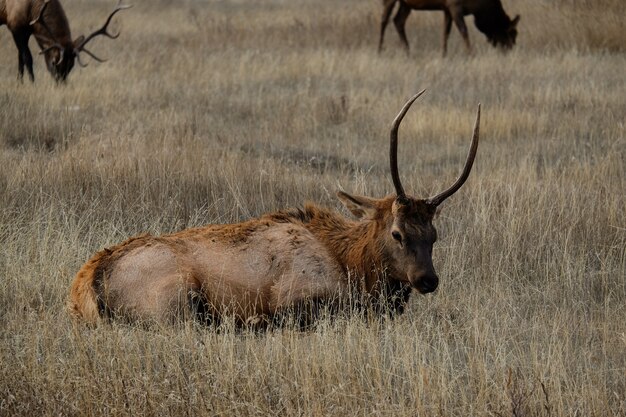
x: 91, y: 54
x: 393, y: 146
x: 43, y: 8
x: 80, y: 62
x: 439, y: 198
x: 103, y: 29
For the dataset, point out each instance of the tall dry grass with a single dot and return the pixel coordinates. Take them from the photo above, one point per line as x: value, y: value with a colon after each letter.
x: 220, y: 111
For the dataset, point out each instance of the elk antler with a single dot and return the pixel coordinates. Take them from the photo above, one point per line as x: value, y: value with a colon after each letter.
x: 393, y: 146
x: 56, y: 44
x: 439, y: 198
x: 102, y: 31
x: 91, y: 54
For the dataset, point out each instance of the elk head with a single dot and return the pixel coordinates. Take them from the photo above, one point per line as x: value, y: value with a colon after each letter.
x: 61, y: 52
x: 406, y: 222
x: 506, y: 37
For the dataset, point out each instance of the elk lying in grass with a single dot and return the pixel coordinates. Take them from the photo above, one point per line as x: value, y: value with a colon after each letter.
x: 47, y: 21
x: 290, y: 260
x: 489, y: 18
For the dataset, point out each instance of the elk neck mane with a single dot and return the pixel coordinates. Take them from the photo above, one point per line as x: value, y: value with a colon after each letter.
x: 354, y: 244
x: 57, y: 22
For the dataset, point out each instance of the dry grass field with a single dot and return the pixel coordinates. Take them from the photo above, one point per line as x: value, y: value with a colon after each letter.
x: 219, y: 111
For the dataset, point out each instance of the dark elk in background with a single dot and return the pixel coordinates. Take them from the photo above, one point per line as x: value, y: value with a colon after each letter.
x: 47, y: 21
x: 489, y: 18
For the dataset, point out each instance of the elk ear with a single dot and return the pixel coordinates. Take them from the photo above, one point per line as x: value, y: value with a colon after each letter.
x: 515, y: 21
x: 361, y: 207
x: 79, y: 40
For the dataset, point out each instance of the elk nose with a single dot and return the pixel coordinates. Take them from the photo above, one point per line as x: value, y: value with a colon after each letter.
x: 426, y: 283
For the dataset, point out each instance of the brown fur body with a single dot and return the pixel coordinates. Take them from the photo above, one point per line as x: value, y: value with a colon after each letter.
x: 489, y: 17
x: 254, y: 269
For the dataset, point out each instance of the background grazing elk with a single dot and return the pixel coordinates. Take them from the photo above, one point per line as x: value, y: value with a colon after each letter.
x: 47, y: 21
x: 283, y: 261
x: 489, y: 18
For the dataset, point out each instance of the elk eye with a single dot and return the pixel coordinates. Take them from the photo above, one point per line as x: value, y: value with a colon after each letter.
x: 397, y: 236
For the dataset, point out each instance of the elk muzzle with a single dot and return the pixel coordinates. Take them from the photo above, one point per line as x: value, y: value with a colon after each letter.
x: 426, y: 283
x: 424, y: 280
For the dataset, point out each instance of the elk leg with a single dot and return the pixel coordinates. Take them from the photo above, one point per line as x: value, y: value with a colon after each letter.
x: 399, y: 21
x: 28, y: 61
x: 200, y: 309
x: 24, y: 56
x: 20, y: 57
x: 306, y: 312
x: 447, y: 26
x: 387, y: 9
x: 460, y: 24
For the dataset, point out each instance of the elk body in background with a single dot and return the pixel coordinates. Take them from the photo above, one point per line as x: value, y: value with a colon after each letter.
x: 489, y: 18
x: 46, y: 20
x: 288, y: 261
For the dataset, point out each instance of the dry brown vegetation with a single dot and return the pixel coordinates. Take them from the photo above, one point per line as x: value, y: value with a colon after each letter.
x: 216, y: 111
